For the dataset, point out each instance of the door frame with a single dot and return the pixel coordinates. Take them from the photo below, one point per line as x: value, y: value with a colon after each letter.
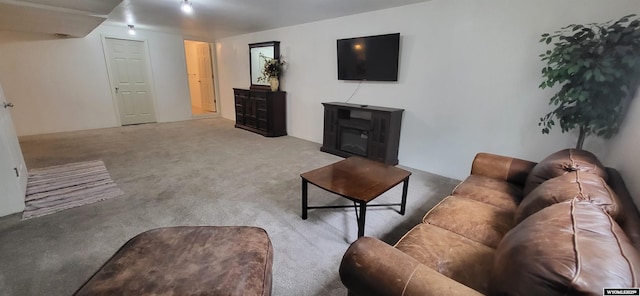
x: 214, y: 69
x: 148, y: 70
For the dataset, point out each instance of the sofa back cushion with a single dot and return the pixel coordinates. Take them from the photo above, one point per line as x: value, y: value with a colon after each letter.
x: 562, y: 162
x: 577, y: 184
x: 569, y: 248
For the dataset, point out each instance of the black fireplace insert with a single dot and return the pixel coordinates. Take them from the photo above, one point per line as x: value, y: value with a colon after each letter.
x: 354, y: 140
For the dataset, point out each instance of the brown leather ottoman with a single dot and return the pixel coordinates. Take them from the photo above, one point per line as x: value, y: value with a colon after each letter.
x: 189, y: 260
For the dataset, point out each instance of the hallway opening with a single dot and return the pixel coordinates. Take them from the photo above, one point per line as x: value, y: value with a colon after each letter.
x: 200, y: 77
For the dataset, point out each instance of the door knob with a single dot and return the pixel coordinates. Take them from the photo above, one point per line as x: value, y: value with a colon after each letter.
x: 7, y: 105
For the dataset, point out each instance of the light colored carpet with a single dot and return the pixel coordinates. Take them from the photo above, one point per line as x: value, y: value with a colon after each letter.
x: 197, y: 172
x: 56, y: 188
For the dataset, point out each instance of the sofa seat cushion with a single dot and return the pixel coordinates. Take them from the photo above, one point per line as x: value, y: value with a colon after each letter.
x: 569, y: 248
x: 472, y: 219
x: 451, y: 254
x: 492, y: 191
x: 562, y: 162
x: 573, y: 185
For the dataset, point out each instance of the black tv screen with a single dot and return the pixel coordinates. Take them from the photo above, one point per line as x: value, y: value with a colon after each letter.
x: 373, y: 58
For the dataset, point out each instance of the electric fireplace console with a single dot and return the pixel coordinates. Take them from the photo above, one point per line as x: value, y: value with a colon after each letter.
x: 368, y: 131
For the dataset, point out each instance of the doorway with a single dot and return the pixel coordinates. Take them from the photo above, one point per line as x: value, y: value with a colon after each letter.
x: 200, y: 77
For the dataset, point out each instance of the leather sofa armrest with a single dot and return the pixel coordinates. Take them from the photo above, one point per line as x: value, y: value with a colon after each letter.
x: 630, y: 219
x: 512, y: 170
x: 372, y: 267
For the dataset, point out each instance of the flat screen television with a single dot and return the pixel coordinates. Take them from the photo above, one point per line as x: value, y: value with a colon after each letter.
x: 372, y: 58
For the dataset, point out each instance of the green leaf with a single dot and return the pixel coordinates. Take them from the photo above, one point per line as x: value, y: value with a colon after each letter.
x: 573, y: 69
x: 598, y: 75
x: 588, y: 74
x: 583, y: 96
x: 628, y: 61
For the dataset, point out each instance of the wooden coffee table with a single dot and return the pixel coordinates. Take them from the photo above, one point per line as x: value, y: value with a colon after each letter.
x: 358, y: 179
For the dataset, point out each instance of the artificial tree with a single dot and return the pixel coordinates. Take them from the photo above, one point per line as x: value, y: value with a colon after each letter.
x: 598, y: 67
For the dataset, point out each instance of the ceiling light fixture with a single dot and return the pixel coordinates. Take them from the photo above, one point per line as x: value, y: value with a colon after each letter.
x: 132, y: 30
x: 186, y: 6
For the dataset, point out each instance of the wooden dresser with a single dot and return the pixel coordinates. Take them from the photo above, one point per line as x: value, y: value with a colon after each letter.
x: 261, y: 111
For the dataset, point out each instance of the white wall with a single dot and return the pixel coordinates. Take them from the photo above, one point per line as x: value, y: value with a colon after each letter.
x: 623, y: 153
x: 63, y: 85
x: 468, y: 80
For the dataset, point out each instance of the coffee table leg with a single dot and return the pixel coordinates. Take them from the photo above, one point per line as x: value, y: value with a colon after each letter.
x: 361, y: 219
x: 304, y: 199
x: 405, y: 187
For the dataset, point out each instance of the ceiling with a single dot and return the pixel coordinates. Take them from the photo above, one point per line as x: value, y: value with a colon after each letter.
x: 74, y: 18
x: 211, y: 19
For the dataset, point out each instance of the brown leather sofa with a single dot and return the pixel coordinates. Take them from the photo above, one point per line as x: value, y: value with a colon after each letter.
x: 564, y: 226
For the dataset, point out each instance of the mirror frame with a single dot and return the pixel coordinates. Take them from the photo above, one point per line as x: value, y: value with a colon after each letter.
x: 254, y: 76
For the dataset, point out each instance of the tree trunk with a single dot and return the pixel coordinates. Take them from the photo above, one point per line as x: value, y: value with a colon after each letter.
x: 581, y: 137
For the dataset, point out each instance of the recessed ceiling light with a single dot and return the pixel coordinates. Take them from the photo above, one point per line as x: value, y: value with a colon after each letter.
x: 132, y: 30
x: 186, y: 6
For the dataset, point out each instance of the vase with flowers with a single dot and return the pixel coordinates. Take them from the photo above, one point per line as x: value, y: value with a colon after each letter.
x: 273, y: 68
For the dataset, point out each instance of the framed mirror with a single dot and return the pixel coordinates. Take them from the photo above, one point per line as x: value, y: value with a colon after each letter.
x: 270, y: 49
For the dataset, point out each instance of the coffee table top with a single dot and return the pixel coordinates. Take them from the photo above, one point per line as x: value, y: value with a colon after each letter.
x: 357, y: 178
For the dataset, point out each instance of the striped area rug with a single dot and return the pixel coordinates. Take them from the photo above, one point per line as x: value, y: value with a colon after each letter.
x: 62, y: 187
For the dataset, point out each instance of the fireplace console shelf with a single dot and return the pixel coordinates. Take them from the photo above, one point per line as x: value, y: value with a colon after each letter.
x: 369, y: 131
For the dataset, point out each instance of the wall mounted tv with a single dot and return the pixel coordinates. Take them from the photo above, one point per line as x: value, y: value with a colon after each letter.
x: 372, y: 58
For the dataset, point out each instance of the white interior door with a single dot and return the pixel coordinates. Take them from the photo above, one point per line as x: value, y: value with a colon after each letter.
x: 205, y: 77
x: 13, y: 172
x: 128, y: 72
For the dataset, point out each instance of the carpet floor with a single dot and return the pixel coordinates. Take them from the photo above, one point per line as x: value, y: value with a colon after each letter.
x: 197, y: 172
